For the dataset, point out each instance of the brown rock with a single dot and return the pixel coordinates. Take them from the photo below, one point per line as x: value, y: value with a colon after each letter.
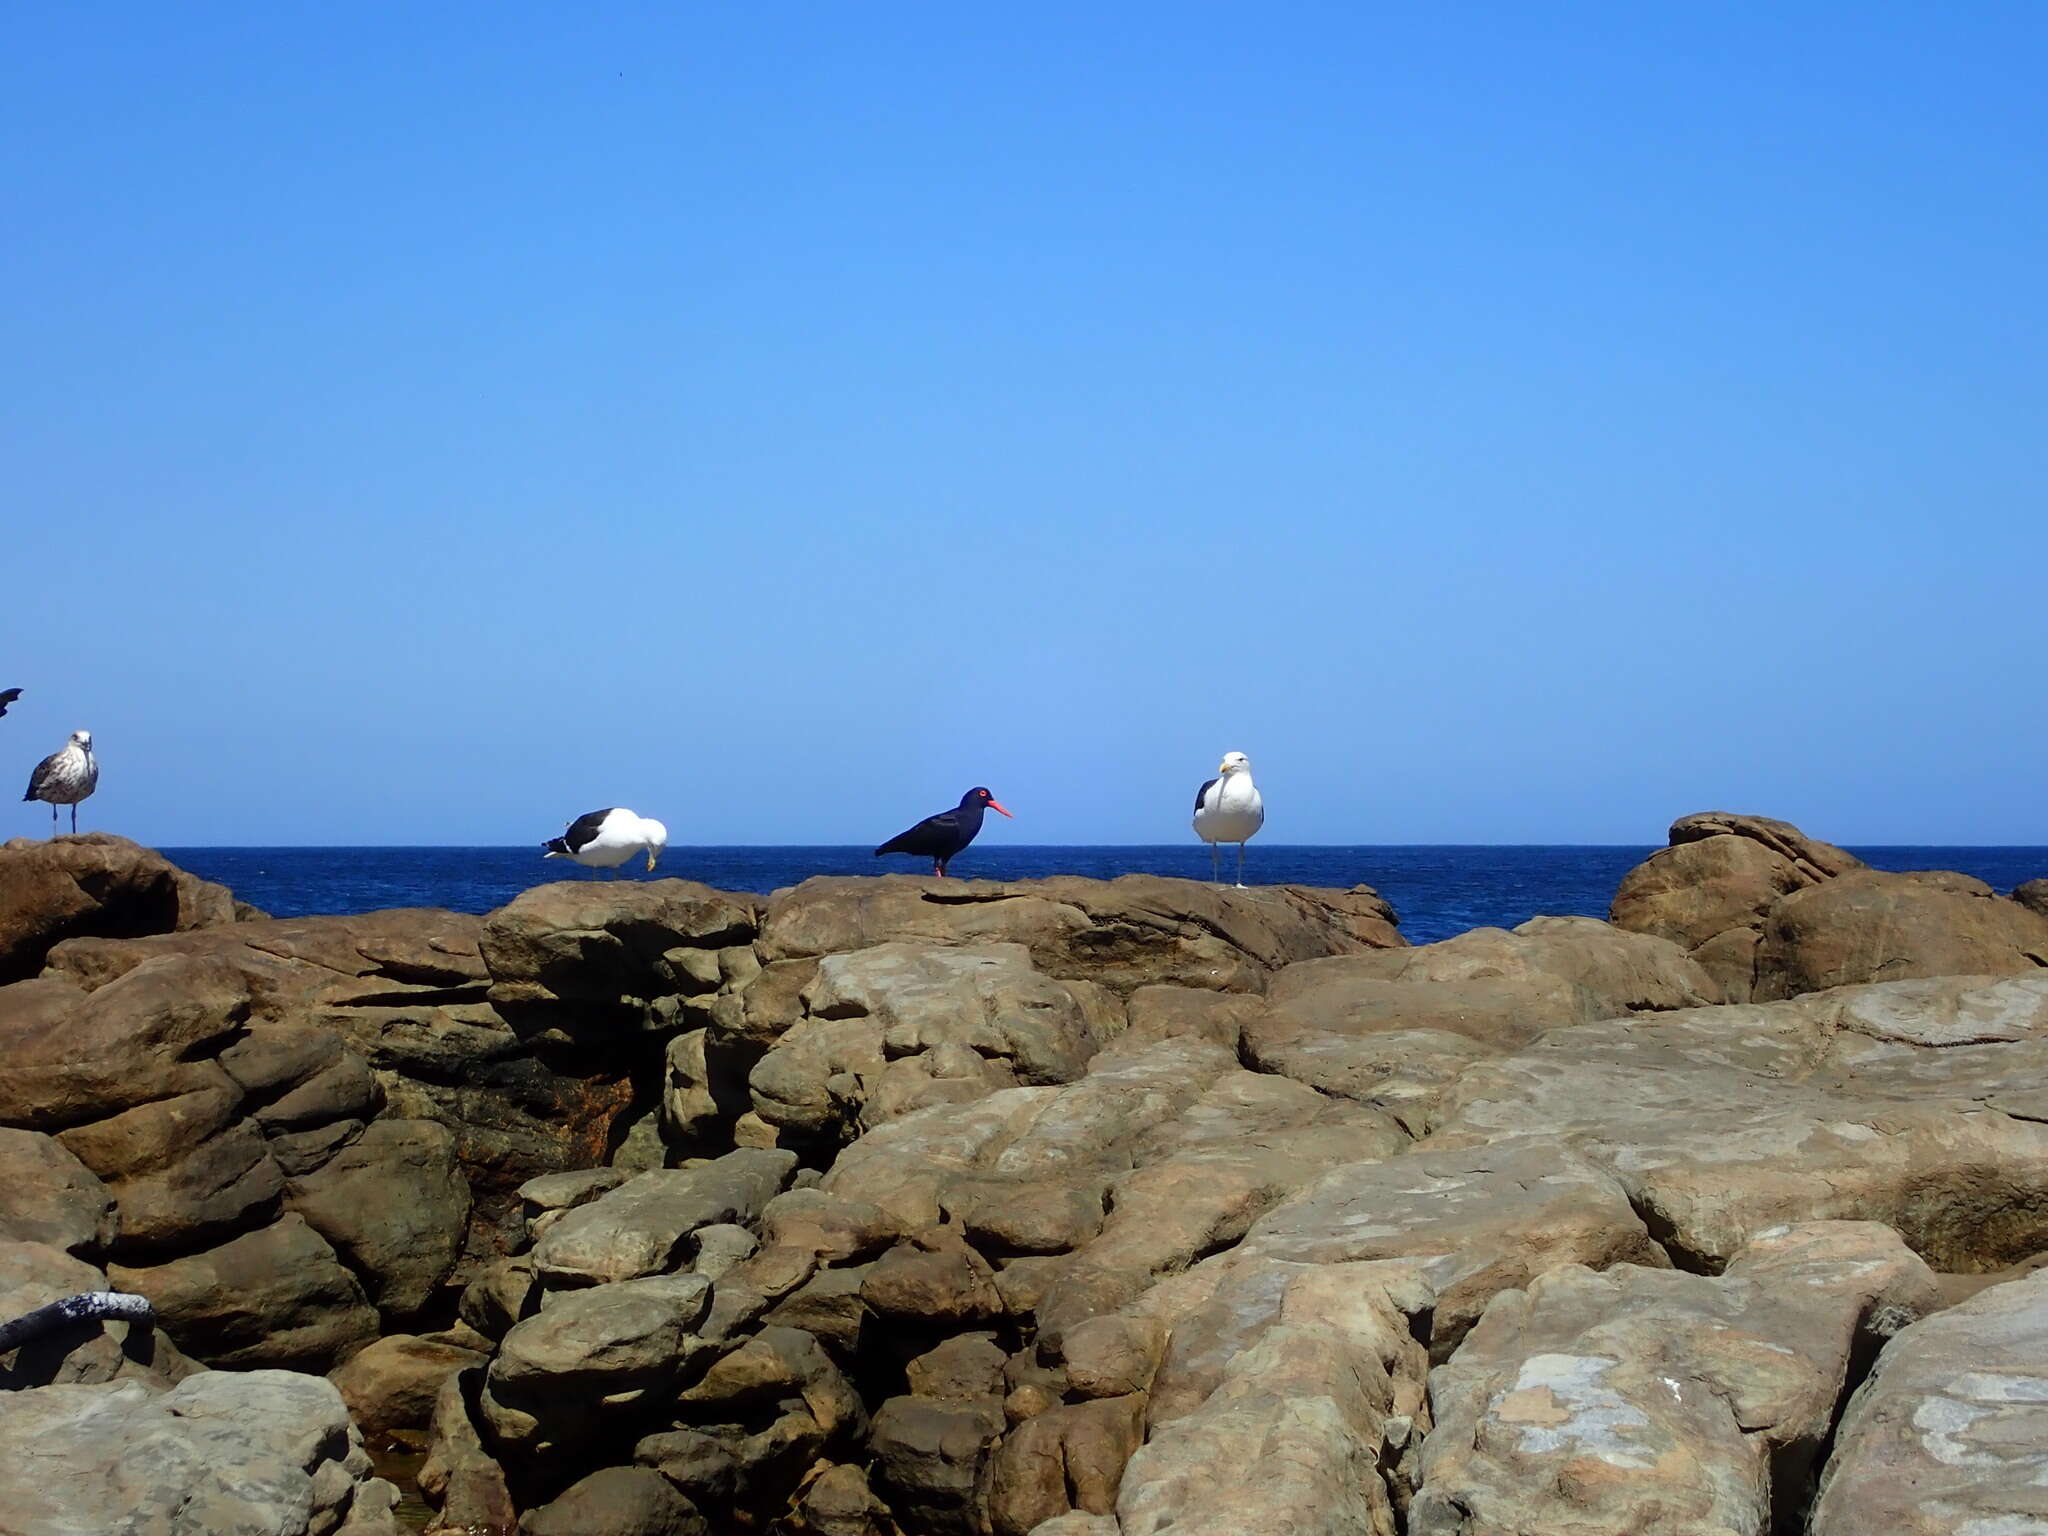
x: 1916, y: 1103
x: 273, y: 1297
x: 965, y: 1368
x: 581, y: 956
x: 33, y: 1275
x: 617, y: 1501
x: 1125, y: 933
x: 1640, y: 1402
x: 459, y: 1475
x: 1948, y: 1436
x: 395, y: 1207
x: 1868, y: 926
x: 48, y: 1196
x: 1710, y: 891
x: 74, y: 1058
x: 2033, y: 895
x: 929, y: 1457
x: 393, y: 1383
x: 934, y: 1278
x: 99, y: 885
x: 1070, y: 1458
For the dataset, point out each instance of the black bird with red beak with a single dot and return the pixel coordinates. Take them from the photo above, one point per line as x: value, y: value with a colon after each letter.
x: 940, y: 838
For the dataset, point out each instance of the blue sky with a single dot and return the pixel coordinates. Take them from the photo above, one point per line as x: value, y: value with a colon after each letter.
x: 1504, y: 422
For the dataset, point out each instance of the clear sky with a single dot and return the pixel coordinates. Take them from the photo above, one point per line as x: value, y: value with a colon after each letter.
x: 1505, y: 422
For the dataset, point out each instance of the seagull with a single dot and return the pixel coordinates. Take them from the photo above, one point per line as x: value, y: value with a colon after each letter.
x: 65, y: 778
x: 7, y: 697
x: 608, y: 838
x: 1228, y: 810
x: 940, y: 838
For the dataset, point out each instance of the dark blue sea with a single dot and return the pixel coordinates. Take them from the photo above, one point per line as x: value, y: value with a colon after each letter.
x: 1438, y: 891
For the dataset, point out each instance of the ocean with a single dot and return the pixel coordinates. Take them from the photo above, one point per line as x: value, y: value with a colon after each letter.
x: 1437, y: 890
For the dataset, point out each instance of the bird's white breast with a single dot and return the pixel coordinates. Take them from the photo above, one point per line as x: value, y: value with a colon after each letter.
x: 1231, y: 811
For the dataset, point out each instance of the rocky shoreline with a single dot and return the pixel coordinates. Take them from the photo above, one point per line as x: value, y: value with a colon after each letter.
x: 1083, y: 1208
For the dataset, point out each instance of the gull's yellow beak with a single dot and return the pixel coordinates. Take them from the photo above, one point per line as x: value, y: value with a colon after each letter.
x: 1223, y: 768
x: 650, y: 861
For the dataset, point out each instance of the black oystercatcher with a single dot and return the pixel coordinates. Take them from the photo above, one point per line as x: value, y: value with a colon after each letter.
x: 65, y: 778
x: 941, y: 837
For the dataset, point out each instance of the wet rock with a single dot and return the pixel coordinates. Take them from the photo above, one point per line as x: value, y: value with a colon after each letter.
x: 95, y: 884
x: 1643, y: 1401
x: 1948, y: 1435
x: 643, y: 1226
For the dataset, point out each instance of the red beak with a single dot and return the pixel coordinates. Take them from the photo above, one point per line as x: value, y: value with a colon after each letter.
x: 995, y: 807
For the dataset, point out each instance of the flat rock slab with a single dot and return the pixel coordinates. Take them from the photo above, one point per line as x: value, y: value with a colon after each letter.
x: 642, y: 1227
x: 1917, y: 1103
x: 269, y: 1451
x: 1949, y: 1437
x: 1124, y: 933
x: 1478, y: 1220
x: 1641, y: 1402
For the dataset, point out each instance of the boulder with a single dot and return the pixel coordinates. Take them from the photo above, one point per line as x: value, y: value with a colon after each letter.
x: 277, y: 1296
x: 928, y: 1460
x: 269, y: 1451
x: 1155, y: 1157
x: 48, y: 1196
x: 1644, y: 1402
x: 1476, y: 1221
x: 459, y: 1476
x: 1918, y: 1104
x: 1396, y: 1028
x: 392, y: 1384
x: 643, y: 1227
x: 99, y: 885
x: 1868, y: 926
x: 591, y: 1356
x: 1711, y: 889
x: 1124, y: 933
x: 1948, y: 1435
x: 580, y: 956
x: 1275, y: 1399
x: 395, y: 1206
x: 74, y: 1057
x: 617, y: 1501
x: 2033, y: 895
x: 899, y: 1027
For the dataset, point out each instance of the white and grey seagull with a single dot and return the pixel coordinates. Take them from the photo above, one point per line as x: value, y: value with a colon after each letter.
x: 66, y: 777
x: 608, y: 838
x: 1228, y: 810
